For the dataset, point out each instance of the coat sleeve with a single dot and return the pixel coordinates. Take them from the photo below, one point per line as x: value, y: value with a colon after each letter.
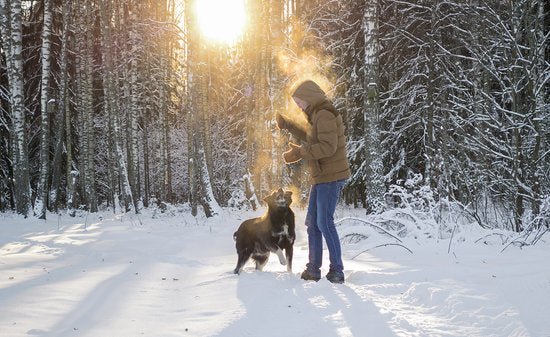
x: 327, y: 137
x: 295, y: 129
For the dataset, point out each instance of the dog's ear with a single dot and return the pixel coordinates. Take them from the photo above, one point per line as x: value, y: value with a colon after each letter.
x: 269, y: 198
x: 288, y: 197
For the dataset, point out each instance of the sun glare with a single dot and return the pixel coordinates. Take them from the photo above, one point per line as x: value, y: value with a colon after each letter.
x: 221, y: 20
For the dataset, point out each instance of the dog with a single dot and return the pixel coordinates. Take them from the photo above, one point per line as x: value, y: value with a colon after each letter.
x: 274, y: 232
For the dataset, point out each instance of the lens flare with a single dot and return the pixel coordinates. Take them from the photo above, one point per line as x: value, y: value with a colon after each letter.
x: 221, y: 20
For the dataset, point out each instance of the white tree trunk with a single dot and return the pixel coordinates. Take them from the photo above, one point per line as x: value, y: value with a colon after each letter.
x: 12, y: 39
x: 373, y: 178
x: 71, y: 175
x: 112, y: 112
x: 62, y: 129
x: 134, y: 111
x: 42, y: 202
x: 202, y: 190
x: 85, y: 96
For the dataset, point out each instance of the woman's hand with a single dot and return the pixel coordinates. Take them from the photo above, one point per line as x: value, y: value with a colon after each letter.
x: 293, y: 155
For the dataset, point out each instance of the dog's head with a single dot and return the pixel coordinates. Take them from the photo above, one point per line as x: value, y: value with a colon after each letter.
x: 279, y: 199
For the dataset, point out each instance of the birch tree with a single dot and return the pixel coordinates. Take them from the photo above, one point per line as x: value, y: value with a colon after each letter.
x: 373, y: 166
x: 61, y: 130
x: 12, y: 39
x: 119, y: 173
x: 42, y: 202
x: 197, y: 85
x: 85, y: 63
x: 132, y: 93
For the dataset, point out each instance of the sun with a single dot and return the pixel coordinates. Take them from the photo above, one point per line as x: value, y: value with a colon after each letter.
x: 221, y: 20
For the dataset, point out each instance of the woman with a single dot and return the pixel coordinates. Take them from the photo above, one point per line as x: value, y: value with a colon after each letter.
x: 324, y: 149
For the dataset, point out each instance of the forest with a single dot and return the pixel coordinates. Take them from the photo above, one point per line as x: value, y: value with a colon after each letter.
x: 126, y: 104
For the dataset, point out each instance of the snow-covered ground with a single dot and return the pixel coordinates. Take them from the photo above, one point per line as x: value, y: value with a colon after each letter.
x: 170, y: 275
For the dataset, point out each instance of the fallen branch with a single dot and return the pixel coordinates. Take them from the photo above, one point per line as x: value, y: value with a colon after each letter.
x: 370, y: 224
x: 516, y: 243
x: 354, y: 237
x: 525, y: 234
x: 383, y: 245
x: 539, y: 235
x: 499, y: 234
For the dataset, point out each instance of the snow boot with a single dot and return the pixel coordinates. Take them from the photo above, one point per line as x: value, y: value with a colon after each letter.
x: 335, y: 277
x: 308, y: 277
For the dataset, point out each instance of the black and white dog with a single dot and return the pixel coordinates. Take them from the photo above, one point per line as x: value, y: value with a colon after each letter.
x: 273, y: 232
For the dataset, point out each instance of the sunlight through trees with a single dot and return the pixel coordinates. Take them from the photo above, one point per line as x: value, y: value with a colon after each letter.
x: 125, y: 104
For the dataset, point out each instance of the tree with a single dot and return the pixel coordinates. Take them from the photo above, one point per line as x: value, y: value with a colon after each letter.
x: 372, y: 172
x: 12, y: 42
x: 42, y: 202
x: 201, y: 185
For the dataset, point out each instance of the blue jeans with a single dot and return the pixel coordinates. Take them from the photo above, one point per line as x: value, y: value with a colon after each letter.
x: 320, y: 223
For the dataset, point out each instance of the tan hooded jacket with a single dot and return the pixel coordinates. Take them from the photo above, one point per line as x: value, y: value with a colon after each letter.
x: 325, y: 142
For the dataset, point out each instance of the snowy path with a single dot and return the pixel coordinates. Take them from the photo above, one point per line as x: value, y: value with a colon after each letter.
x: 172, y: 277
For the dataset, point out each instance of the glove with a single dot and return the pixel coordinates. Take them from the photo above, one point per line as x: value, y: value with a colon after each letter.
x: 293, y: 155
x: 281, y: 123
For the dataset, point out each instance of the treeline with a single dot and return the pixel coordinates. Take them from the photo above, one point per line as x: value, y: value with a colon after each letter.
x: 120, y: 104
x: 457, y: 91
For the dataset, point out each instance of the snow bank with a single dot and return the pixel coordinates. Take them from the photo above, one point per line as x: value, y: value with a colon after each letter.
x: 169, y: 274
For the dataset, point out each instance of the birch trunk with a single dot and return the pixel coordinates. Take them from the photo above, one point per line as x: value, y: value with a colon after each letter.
x: 430, y: 103
x: 13, y: 44
x: 201, y: 185
x: 131, y: 92
x: 163, y: 132
x: 373, y: 180
x: 111, y: 109
x: 5, y: 36
x: 85, y: 79
x: 63, y: 106
x: 70, y: 173
x: 80, y: 126
x: 538, y: 45
x: 42, y: 202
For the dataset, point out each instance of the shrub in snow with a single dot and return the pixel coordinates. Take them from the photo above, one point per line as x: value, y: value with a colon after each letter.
x: 411, y: 210
x: 238, y: 200
x: 537, y: 227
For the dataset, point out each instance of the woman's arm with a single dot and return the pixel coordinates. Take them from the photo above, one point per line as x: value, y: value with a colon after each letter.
x: 295, y: 129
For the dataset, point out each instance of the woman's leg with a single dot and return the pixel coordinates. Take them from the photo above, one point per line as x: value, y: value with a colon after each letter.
x: 327, y: 197
x: 315, y: 237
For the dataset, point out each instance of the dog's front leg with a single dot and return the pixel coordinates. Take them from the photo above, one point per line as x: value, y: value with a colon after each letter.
x: 289, y: 253
x: 277, y: 250
x: 282, y: 259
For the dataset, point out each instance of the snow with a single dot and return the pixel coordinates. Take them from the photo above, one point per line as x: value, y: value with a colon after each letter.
x: 108, y: 275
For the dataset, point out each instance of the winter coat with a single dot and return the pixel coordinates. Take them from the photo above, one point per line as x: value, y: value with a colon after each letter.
x: 325, y: 143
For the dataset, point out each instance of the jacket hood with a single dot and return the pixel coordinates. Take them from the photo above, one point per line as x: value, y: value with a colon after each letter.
x: 310, y: 92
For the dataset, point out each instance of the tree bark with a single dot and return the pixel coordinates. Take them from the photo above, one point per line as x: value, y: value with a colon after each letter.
x: 374, y: 183
x: 63, y: 106
x: 42, y: 200
x: 13, y: 44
